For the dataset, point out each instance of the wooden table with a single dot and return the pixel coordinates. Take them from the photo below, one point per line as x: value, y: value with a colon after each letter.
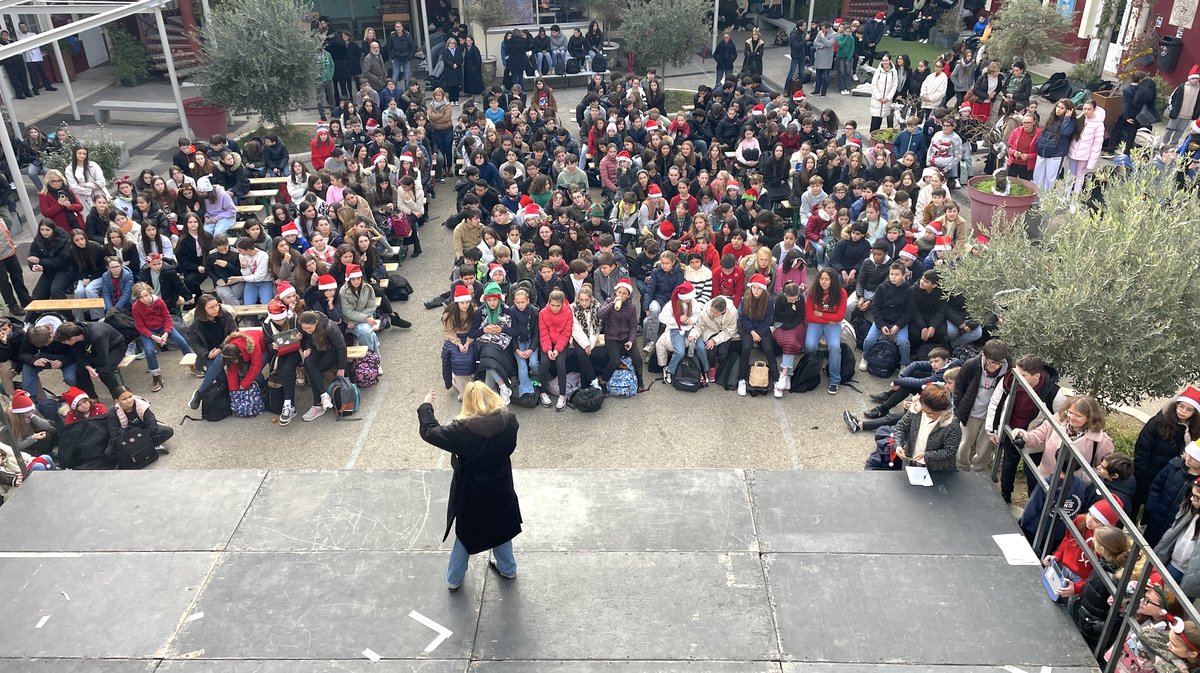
x: 43, y: 305
x: 269, y: 180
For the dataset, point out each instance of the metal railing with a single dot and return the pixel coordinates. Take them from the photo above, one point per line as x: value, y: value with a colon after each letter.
x: 1125, y: 601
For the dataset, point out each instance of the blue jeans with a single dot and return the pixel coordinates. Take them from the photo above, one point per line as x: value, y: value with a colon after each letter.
x: 212, y: 369
x: 542, y: 61
x: 399, y: 67
x: 833, y: 339
x: 457, y: 570
x: 220, y: 226
x: 151, y: 348
x: 32, y: 385
x: 34, y: 170
x: 679, y: 346
x: 524, y: 367
x: 796, y: 70
x: 957, y: 338
x: 722, y: 73
x: 258, y: 293
x: 365, y: 336
x: 821, y: 86
x: 89, y: 291
x: 901, y: 338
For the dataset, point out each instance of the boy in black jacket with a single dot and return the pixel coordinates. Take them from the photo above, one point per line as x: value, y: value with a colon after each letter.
x: 222, y: 264
x: 893, y: 307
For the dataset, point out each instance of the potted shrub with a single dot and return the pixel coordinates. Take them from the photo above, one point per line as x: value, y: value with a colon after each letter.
x: 887, y: 135
x: 488, y: 14
x: 103, y: 148
x: 988, y: 203
x: 130, y: 60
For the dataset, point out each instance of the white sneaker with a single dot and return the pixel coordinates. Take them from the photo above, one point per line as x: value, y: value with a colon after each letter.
x: 778, y: 392
x: 854, y: 77
x: 326, y: 403
x: 561, y: 403
x: 742, y: 387
x: 289, y: 412
x: 779, y: 385
x: 596, y: 384
x: 545, y: 400
x: 862, y: 365
x: 505, y: 394
x: 313, y: 414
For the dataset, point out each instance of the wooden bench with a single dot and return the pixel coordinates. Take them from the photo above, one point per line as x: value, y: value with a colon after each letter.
x: 391, y: 267
x: 252, y: 209
x: 269, y: 180
x: 356, y: 352
x: 42, y: 305
x: 103, y: 110
x: 188, y: 360
x: 248, y: 310
x: 783, y: 24
x: 262, y: 193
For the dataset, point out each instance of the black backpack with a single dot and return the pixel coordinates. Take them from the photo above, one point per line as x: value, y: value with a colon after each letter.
x: 588, y: 399
x: 883, y: 359
x: 133, y: 449
x: 572, y: 66
x: 861, y: 325
x: 687, y: 375
x: 599, y: 63
x: 807, y: 374
x: 214, y: 402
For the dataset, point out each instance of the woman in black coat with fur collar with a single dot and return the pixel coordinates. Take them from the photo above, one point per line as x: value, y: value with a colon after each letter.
x: 483, y: 505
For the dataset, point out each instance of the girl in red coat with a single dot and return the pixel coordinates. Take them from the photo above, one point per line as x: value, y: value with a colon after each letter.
x: 555, y: 323
x: 155, y: 325
x: 322, y: 147
x: 243, y: 356
x: 824, y: 311
x: 822, y: 218
x: 1070, y: 556
x: 81, y: 406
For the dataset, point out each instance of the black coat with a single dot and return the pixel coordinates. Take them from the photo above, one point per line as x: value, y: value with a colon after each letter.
x: 341, y: 60
x: 1151, y: 454
x: 482, y: 505
x: 518, y: 58
x: 472, y: 70
x: 452, y: 68
x: 171, y: 284
x: 1166, y: 491
x: 102, y: 346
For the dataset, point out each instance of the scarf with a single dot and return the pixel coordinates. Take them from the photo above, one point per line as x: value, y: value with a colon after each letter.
x: 439, y: 105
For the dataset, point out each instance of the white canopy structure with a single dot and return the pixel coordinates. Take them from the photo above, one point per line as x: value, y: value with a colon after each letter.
x: 101, y: 12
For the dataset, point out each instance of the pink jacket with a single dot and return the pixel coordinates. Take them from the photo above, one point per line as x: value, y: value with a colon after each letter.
x: 1087, y: 146
x: 1044, y: 436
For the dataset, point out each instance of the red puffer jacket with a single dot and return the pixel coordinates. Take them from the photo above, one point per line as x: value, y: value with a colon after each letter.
x: 251, y: 343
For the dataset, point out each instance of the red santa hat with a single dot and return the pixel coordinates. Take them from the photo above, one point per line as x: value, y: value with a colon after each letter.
x: 666, y: 231
x: 497, y: 266
x: 1191, y: 397
x: 759, y: 109
x: 685, y: 291
x: 532, y: 210
x: 941, y: 243
x: 880, y: 16
x: 73, y: 397
x: 1103, y: 512
x: 1192, y: 449
x: 371, y: 123
x: 965, y: 109
x: 935, y: 227
x: 982, y: 241
x: 462, y: 294
x: 624, y: 156
x: 798, y: 96
x: 407, y: 157
x: 322, y: 127
x: 353, y: 271
x: 379, y: 157
x: 277, y: 310
x: 290, y: 228
x: 857, y: 142
x: 732, y: 184
x: 284, y: 288
x: 910, y: 251
x: 758, y: 280
x: 21, y: 404
x: 1194, y: 73
x: 651, y: 124
x: 655, y: 191
x: 326, y: 282
x: 624, y: 283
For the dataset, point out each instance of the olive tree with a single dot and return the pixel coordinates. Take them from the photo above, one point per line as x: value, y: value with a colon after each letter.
x: 259, y: 57
x: 487, y: 14
x: 665, y: 32
x: 1027, y: 30
x: 1111, y: 296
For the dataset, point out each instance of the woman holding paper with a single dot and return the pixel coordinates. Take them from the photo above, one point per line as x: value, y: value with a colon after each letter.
x: 929, y: 434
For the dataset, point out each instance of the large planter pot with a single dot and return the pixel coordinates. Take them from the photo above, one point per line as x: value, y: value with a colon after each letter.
x: 886, y: 135
x: 1111, y: 106
x: 205, y: 119
x: 489, y: 70
x: 943, y: 40
x: 987, y: 207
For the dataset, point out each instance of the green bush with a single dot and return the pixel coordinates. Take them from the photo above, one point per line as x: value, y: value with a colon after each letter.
x: 130, y: 61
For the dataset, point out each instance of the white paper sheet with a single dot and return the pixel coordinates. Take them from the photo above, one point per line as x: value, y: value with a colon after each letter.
x: 918, y: 476
x: 1016, y: 550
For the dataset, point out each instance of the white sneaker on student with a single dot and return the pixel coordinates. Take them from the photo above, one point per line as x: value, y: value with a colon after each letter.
x: 326, y: 403
x: 561, y: 403
x: 778, y: 391
x: 289, y: 412
x: 862, y: 365
x: 596, y: 384
x: 313, y: 414
x: 505, y: 394
x: 545, y: 400
x: 742, y: 387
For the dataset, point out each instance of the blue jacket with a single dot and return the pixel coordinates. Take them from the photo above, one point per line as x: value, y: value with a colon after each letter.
x: 798, y: 44
x: 920, y: 372
x: 763, y: 327
x: 915, y: 142
x: 1056, y: 139
x: 1166, y: 491
x: 126, y: 291
x: 661, y: 285
x: 848, y: 254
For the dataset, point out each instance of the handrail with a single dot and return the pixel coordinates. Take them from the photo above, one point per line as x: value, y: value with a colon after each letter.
x: 1070, y: 461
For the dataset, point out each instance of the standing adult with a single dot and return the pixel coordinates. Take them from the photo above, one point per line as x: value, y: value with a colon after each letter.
x: 373, y: 68
x: 752, y: 60
x: 1182, y: 109
x: 517, y: 52
x: 12, y: 278
x: 482, y: 505
x: 883, y: 91
x: 452, y: 71
x: 1138, y: 96
x: 400, y: 49
x: 34, y: 61
x: 337, y: 48
x: 823, y: 58
x: 1163, y: 439
x: 798, y: 46
x: 326, y: 95
x: 14, y: 67
x: 724, y: 56
x: 472, y: 68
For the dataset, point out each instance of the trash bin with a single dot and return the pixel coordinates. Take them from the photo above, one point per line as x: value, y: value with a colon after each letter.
x: 1168, y: 52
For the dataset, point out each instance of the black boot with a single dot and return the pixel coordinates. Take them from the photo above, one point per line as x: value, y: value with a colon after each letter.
x: 397, y: 321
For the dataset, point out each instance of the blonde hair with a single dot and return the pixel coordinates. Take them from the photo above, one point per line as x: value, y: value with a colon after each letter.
x: 1088, y: 406
x: 50, y: 175
x: 479, y: 400
x: 141, y: 288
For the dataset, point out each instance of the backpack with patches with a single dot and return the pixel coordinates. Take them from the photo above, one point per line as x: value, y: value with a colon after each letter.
x: 807, y: 374
x: 623, y: 382
x: 344, y: 395
x: 366, y: 370
x: 687, y: 374
x: 883, y: 359
x: 588, y: 399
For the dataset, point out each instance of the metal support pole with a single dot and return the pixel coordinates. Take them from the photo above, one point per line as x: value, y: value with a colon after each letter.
x: 428, y: 44
x: 811, y: 5
x: 716, y: 18
x: 170, y: 59
x: 207, y: 10
x: 6, y: 94
x: 62, y: 70
x: 18, y: 178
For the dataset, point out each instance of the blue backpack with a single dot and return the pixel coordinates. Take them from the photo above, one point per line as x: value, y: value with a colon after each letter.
x: 344, y: 395
x: 623, y: 382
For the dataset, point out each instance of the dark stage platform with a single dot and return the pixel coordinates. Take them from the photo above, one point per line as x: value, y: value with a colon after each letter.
x: 673, y: 571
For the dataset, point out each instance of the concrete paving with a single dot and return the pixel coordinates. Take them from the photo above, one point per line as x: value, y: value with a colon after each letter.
x: 619, y: 571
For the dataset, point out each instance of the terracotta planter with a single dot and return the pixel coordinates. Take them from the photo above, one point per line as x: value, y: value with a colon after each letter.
x: 985, y: 206
x: 204, y: 119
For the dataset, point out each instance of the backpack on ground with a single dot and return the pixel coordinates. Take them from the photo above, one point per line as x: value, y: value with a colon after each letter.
x: 121, y: 319
x: 623, y: 382
x: 214, y: 402
x: 572, y: 66
x: 861, y: 325
x: 687, y: 374
x: 366, y: 370
x: 273, y: 396
x: 758, y: 382
x: 344, y: 395
x: 588, y: 399
x: 884, y: 455
x: 599, y: 63
x: 133, y: 449
x: 806, y: 375
x: 965, y: 352
x: 573, y: 385
x: 398, y: 289
x: 729, y: 371
x: 246, y: 403
x: 883, y: 359
x: 849, y: 364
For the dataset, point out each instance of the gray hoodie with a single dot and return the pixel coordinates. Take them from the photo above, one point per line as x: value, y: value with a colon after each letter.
x: 559, y: 41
